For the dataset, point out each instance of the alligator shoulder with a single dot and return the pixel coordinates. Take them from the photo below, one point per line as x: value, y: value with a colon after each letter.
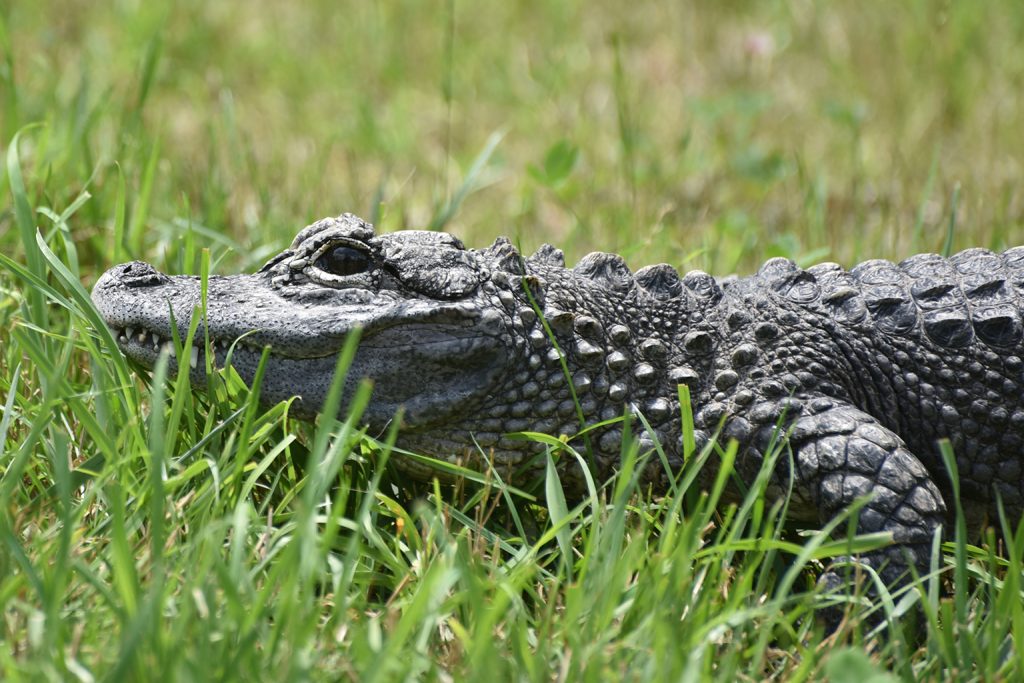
x: 866, y: 368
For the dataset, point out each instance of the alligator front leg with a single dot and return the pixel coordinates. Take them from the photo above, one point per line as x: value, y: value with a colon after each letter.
x: 841, y: 454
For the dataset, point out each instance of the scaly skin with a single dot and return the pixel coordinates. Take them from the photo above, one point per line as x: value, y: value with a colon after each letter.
x: 866, y: 369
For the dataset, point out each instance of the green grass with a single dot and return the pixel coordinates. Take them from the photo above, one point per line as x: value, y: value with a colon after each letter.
x: 147, y: 531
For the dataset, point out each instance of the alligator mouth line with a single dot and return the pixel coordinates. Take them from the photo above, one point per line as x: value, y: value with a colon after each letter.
x: 144, y: 345
x: 138, y: 342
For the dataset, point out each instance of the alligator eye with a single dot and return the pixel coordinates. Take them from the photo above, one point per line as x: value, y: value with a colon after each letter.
x: 343, y: 261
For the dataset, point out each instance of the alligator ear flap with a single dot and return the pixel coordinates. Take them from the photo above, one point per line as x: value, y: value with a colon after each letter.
x: 451, y: 280
x: 547, y: 255
x: 505, y: 256
x: 607, y: 269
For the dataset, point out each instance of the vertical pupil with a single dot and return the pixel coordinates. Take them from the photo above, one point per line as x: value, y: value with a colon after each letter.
x: 344, y: 261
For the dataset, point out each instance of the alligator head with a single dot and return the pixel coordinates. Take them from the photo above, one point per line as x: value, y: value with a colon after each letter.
x: 430, y: 340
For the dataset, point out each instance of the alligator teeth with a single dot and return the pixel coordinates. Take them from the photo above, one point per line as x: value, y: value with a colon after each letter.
x: 142, y: 336
x: 130, y: 332
x: 194, y: 357
x: 168, y: 347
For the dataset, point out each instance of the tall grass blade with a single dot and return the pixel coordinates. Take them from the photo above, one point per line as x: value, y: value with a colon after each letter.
x: 26, y: 227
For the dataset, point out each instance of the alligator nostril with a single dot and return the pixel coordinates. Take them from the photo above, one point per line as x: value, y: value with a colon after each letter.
x: 136, y: 274
x: 135, y: 268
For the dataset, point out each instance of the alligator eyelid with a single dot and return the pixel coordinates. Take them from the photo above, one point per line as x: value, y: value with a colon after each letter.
x: 318, y: 250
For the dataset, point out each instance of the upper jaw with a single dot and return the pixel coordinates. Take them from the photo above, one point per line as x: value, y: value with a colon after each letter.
x: 307, y: 321
x: 423, y: 355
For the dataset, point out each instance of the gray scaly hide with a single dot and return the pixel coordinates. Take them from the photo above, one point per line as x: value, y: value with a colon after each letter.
x: 864, y: 368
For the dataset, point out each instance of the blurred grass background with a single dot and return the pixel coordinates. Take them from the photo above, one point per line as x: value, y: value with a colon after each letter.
x: 190, y: 543
x: 707, y: 135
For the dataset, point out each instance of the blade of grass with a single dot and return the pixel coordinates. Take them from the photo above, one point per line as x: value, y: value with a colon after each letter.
x: 26, y: 227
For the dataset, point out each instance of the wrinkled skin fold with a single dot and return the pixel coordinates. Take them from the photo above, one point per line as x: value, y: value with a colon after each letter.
x: 864, y: 369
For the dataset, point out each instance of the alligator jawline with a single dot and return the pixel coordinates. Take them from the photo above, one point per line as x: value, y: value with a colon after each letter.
x: 145, y: 345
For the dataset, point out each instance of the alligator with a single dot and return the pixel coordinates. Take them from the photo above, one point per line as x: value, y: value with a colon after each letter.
x: 864, y: 370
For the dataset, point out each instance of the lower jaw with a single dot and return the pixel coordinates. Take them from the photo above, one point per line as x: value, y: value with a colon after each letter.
x: 310, y: 379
